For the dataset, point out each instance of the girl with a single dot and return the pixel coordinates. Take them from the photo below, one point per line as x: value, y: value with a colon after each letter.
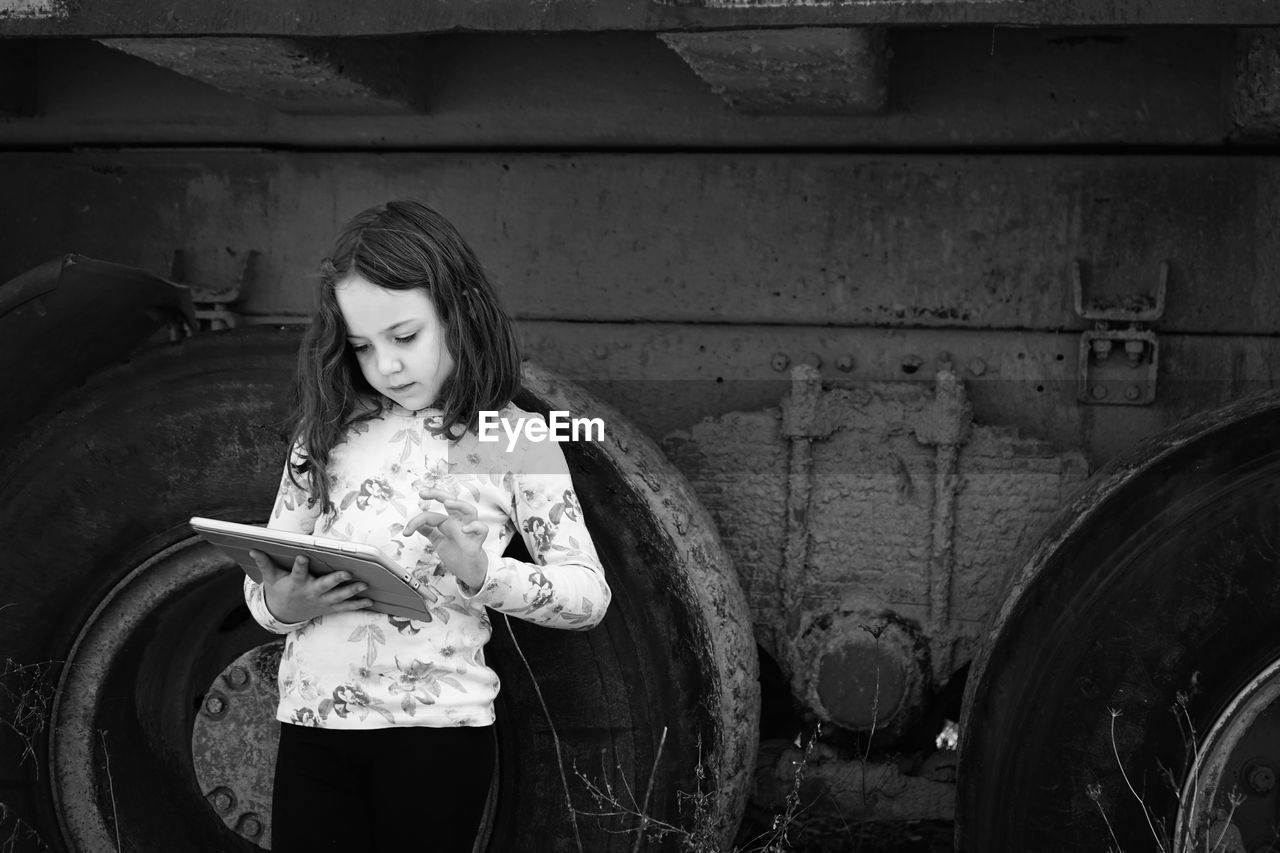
x: 386, y: 740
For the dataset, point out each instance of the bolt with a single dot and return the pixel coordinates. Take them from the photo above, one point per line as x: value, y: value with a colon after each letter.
x: 1101, y: 350
x: 215, y: 705
x: 944, y: 360
x: 1099, y: 392
x: 812, y: 359
x: 911, y: 363
x: 600, y: 351
x: 250, y: 825
x: 780, y: 361
x: 977, y: 367
x: 237, y: 677
x: 1260, y: 778
x: 222, y: 799
x: 844, y: 363
x: 1132, y: 392
x: 1134, y: 349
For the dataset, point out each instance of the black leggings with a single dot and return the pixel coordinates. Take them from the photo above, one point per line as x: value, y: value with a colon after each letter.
x: 393, y: 789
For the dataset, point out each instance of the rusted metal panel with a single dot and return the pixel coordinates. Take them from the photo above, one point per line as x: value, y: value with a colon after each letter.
x: 951, y: 88
x: 102, y: 18
x: 884, y: 241
x: 348, y: 76
x: 1255, y: 97
x: 29, y: 10
x: 799, y: 71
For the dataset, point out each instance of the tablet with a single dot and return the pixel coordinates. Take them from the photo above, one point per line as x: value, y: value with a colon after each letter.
x: 392, y: 589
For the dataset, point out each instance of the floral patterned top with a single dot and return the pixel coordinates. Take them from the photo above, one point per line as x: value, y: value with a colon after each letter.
x: 364, y: 669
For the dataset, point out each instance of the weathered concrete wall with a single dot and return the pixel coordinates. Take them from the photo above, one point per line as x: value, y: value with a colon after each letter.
x: 947, y: 88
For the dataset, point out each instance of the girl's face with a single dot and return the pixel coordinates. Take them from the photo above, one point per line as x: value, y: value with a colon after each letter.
x: 398, y: 340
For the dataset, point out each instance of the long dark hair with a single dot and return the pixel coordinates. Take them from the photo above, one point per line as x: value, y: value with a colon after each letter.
x: 400, y: 245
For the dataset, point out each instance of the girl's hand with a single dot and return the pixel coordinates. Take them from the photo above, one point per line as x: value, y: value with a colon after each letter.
x: 297, y: 596
x: 458, y: 537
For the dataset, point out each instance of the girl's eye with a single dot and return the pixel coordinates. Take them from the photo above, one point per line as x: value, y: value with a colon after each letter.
x: 404, y: 339
x: 359, y: 348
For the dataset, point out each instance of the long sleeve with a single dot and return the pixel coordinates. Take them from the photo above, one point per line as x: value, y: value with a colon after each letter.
x: 566, y: 587
x: 292, y: 511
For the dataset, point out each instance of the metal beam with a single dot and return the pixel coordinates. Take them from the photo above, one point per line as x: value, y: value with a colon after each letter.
x: 797, y: 71
x: 108, y: 18
x: 348, y: 76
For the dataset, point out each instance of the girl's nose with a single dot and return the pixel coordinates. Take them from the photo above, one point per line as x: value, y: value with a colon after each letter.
x: 389, y: 365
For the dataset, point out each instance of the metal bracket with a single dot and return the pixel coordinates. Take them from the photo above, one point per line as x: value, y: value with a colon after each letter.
x: 212, y: 303
x: 1119, y: 366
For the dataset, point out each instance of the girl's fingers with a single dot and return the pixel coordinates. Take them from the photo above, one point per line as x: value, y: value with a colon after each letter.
x: 351, y: 604
x: 466, y: 511
x: 331, y: 580
x: 267, y: 569
x: 300, y: 571
x: 423, y: 519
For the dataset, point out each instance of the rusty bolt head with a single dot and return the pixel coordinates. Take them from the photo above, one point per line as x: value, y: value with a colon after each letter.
x: 215, y: 704
x: 911, y: 363
x: 1260, y: 778
x: 812, y: 359
x: 237, y: 677
x: 222, y: 799
x: 977, y: 367
x: 944, y: 360
x: 780, y: 361
x: 1099, y: 392
x: 1101, y: 350
x: 1134, y: 350
x: 250, y: 826
x: 844, y: 363
x: 1132, y: 392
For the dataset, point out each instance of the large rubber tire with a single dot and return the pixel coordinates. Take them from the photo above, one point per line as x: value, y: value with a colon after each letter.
x: 1162, y: 578
x: 102, y: 577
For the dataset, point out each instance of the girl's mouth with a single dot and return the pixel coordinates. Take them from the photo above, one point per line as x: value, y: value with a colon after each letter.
x: 398, y: 388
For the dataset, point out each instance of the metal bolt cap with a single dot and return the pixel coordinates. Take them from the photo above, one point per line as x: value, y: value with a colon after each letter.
x: 845, y: 363
x: 1132, y: 392
x: 780, y: 361
x: 215, y: 704
x: 1260, y: 778
x: 250, y: 826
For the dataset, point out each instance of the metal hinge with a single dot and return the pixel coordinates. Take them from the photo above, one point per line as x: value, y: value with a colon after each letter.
x: 1119, y: 356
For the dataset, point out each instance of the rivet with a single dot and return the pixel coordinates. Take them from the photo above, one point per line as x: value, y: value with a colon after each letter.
x: 911, y: 363
x: 237, y: 677
x: 812, y: 359
x: 250, y: 826
x: 222, y: 799
x: 780, y: 361
x: 600, y: 351
x: 215, y: 704
x: 1132, y: 392
x: 977, y: 367
x: 1098, y: 391
x: 844, y: 363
